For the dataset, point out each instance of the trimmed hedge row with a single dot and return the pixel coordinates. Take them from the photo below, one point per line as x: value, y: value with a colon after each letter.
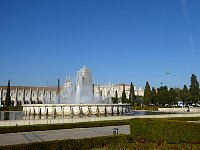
x: 151, y: 146
x: 11, y: 108
x: 28, y: 128
x: 75, y: 144
x: 107, y: 142
x: 171, y: 131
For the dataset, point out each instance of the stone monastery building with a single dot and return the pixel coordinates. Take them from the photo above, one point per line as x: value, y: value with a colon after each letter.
x: 34, y: 95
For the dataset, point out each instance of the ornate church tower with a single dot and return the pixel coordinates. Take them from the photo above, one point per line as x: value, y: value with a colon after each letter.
x: 68, y: 82
x: 68, y: 91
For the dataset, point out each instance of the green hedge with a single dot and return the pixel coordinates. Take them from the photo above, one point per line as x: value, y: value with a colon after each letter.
x: 151, y: 108
x: 171, y: 131
x: 68, y: 144
x: 28, y: 128
x: 119, y: 142
x: 151, y: 146
x: 11, y: 108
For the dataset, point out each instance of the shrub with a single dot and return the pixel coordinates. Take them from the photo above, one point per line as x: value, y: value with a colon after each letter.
x: 107, y: 142
x: 11, y: 108
x: 87, y: 143
x: 171, y: 131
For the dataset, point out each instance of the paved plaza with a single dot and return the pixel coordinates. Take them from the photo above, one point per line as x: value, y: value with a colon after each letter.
x: 51, y: 135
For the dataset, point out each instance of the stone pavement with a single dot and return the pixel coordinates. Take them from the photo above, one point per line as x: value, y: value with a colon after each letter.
x: 51, y: 135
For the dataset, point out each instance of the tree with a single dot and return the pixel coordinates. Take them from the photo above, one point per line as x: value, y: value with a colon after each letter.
x: 194, y: 89
x: 153, y: 95
x: 116, y: 94
x: 171, y: 96
x: 185, y: 95
x: 115, y: 99
x: 178, y: 92
x: 123, y: 95
x: 58, y: 92
x: 8, y: 98
x: 162, y: 96
x: 147, y: 93
x: 132, y: 92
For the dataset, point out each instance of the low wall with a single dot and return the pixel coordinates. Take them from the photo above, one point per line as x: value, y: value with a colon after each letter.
x: 184, y: 109
x: 88, y: 119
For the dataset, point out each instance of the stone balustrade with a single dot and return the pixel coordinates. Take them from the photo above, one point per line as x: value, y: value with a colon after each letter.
x: 75, y: 109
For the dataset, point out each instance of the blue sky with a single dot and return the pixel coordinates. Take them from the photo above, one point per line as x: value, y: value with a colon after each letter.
x: 120, y: 41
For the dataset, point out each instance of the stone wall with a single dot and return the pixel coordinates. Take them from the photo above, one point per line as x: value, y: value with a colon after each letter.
x: 89, y: 119
x: 184, y: 109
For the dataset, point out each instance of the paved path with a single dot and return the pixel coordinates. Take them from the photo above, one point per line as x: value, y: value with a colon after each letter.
x: 50, y: 135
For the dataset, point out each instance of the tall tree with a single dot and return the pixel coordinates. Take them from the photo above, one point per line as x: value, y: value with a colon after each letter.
x: 58, y: 92
x: 115, y: 99
x: 116, y: 94
x: 8, y: 98
x: 132, y: 92
x: 123, y: 95
x: 153, y: 96
x: 178, y: 92
x: 185, y: 95
x: 147, y: 93
x: 194, y: 89
x: 171, y: 96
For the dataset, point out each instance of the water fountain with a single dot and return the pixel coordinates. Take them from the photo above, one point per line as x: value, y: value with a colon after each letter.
x: 77, y: 99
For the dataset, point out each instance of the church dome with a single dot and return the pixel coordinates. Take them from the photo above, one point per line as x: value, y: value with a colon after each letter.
x: 84, y: 74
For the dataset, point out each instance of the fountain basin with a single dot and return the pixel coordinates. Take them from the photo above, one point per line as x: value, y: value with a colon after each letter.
x: 75, y: 109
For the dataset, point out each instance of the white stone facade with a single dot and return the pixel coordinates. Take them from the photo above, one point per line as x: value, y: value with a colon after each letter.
x: 111, y: 88
x: 27, y: 95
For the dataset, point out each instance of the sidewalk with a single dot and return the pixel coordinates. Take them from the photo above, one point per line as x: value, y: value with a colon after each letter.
x: 51, y: 135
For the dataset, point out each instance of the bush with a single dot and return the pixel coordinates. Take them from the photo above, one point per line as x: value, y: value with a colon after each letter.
x: 108, y: 142
x: 68, y: 144
x: 11, y: 108
x: 171, y: 131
